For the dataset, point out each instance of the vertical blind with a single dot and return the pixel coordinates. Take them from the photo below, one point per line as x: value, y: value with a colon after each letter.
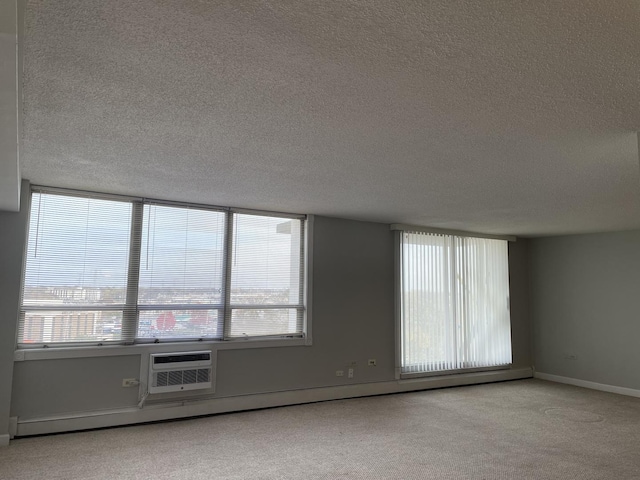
x: 103, y: 270
x: 454, y: 303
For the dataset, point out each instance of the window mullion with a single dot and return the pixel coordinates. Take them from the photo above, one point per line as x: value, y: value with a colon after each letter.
x: 301, y: 276
x: 130, y: 313
x: 226, y: 283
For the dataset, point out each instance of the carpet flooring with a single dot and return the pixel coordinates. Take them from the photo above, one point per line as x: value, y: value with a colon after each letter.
x: 526, y: 429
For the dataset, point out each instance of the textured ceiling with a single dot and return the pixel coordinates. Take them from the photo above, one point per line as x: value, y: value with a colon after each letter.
x: 491, y: 116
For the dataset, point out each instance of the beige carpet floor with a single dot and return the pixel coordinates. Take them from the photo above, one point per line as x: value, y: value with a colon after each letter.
x: 527, y: 429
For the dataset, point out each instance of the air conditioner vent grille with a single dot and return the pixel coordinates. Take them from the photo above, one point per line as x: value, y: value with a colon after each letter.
x: 186, y: 372
x: 204, y: 375
x: 181, y: 377
x: 190, y: 376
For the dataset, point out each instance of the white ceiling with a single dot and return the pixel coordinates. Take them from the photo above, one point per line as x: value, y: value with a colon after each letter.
x: 490, y: 116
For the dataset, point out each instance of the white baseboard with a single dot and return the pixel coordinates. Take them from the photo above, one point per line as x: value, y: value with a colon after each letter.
x: 183, y: 409
x: 586, y: 384
x: 4, y: 440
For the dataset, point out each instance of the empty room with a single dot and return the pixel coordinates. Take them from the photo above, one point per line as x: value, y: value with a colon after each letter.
x: 319, y: 239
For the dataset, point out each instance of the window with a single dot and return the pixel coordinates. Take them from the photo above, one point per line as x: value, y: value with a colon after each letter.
x: 266, y: 277
x: 75, y: 282
x: 102, y: 269
x: 181, y: 273
x: 454, y: 302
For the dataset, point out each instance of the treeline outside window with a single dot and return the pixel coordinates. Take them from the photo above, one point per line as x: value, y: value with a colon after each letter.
x: 102, y: 269
x: 454, y: 303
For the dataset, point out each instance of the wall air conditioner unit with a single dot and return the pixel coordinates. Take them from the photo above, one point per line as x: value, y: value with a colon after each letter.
x: 177, y: 372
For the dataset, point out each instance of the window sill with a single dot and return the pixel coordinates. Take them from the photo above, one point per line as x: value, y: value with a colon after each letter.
x: 53, y: 353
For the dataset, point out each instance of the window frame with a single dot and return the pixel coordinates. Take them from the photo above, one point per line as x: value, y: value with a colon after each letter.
x: 398, y: 229
x: 131, y: 309
x: 230, y: 306
x: 171, y: 307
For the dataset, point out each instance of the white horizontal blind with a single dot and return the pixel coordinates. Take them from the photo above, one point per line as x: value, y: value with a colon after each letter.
x: 454, y: 303
x: 76, y: 270
x: 181, y: 273
x: 103, y: 269
x: 266, y: 287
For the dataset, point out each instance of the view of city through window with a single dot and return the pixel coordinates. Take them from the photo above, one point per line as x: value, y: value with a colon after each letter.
x: 77, y: 285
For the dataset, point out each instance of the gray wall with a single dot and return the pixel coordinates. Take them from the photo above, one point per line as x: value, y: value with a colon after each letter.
x: 519, y: 299
x: 12, y: 244
x: 353, y: 317
x: 585, y: 304
x: 353, y: 320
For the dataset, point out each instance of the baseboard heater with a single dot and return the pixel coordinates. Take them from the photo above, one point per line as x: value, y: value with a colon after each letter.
x: 180, y: 371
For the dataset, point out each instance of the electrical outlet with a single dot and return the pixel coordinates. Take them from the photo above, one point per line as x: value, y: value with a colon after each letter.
x: 372, y: 362
x: 339, y: 373
x: 130, y: 382
x: 350, y: 375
